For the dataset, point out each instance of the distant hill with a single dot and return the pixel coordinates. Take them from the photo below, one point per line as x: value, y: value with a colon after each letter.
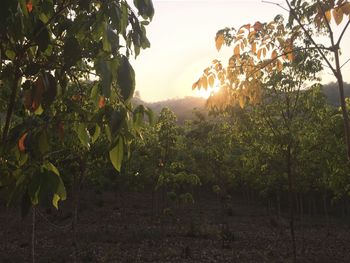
x: 332, y: 93
x: 184, y: 107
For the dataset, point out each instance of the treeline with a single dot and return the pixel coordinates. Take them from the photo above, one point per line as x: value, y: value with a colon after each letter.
x: 285, y: 152
x: 183, y: 107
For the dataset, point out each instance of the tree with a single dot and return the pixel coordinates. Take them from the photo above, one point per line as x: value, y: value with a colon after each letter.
x: 64, y: 64
x: 261, y: 48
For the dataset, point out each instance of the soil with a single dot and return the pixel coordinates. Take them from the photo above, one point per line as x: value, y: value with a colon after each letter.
x: 123, y: 228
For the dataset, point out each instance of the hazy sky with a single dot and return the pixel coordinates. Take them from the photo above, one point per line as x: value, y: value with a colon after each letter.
x: 182, y: 43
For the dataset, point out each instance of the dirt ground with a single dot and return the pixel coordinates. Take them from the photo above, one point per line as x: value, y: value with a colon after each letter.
x: 122, y: 229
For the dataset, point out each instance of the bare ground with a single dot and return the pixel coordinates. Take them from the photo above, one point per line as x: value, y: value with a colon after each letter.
x: 122, y: 229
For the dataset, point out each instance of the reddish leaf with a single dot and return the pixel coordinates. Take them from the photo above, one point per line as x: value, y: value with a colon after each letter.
x: 257, y: 26
x: 101, y: 102
x: 21, y: 145
x: 29, y: 6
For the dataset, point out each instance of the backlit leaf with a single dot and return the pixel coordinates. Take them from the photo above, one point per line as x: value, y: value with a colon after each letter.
x: 116, y: 155
x: 211, y: 80
x: 219, y: 41
x: 254, y: 47
x: 338, y: 15
x: 346, y: 8
x: 236, y: 51
x: 274, y: 54
x: 257, y: 26
x: 328, y: 15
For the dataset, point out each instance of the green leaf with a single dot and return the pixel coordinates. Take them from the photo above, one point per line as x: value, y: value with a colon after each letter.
x: 106, y: 77
x: 52, y: 185
x: 39, y: 110
x: 83, y: 135
x: 71, y: 51
x: 126, y: 79
x: 50, y: 92
x: 108, y: 133
x: 49, y: 166
x: 60, y: 194
x: 116, y: 154
x: 43, y: 143
x: 96, y: 133
x: 145, y: 7
x: 117, y: 118
x: 10, y: 54
x: 41, y: 36
x: 124, y: 17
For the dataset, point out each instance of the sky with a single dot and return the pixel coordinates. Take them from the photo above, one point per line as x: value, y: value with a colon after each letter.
x: 182, y: 36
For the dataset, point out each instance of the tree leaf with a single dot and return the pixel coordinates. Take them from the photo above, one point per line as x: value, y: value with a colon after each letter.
x: 211, y: 80
x: 254, y: 47
x: 126, y: 78
x: 71, y: 51
x: 10, y: 54
x: 346, y: 8
x: 219, y: 41
x: 236, y: 50
x: 328, y: 15
x: 116, y: 154
x: 21, y: 142
x: 83, y: 135
x: 41, y: 36
x: 274, y: 54
x: 96, y: 133
x: 338, y: 15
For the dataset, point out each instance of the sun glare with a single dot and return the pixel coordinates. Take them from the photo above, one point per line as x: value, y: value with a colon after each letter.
x: 206, y: 93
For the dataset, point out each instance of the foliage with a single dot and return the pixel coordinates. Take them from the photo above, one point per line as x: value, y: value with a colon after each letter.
x: 65, y: 80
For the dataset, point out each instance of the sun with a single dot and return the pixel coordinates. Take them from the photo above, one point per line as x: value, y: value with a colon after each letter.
x: 206, y: 93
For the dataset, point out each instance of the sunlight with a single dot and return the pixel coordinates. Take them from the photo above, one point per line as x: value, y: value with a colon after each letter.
x: 206, y: 93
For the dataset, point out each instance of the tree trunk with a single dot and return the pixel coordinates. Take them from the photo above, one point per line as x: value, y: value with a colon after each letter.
x: 326, y: 211
x: 11, y: 105
x: 291, y: 201
x: 344, y: 110
x: 33, y: 235
x: 278, y: 197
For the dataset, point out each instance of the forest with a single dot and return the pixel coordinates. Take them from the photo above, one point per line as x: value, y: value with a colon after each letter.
x: 89, y: 172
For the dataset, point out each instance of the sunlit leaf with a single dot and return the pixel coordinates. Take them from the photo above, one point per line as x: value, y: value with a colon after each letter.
x: 219, y: 41
x: 204, y: 82
x: 195, y: 85
x: 328, y: 15
x: 254, y: 47
x: 211, y: 80
x: 274, y: 54
x: 338, y: 15
x: 257, y: 26
x: 346, y: 8
x: 241, y: 101
x: 236, y: 51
